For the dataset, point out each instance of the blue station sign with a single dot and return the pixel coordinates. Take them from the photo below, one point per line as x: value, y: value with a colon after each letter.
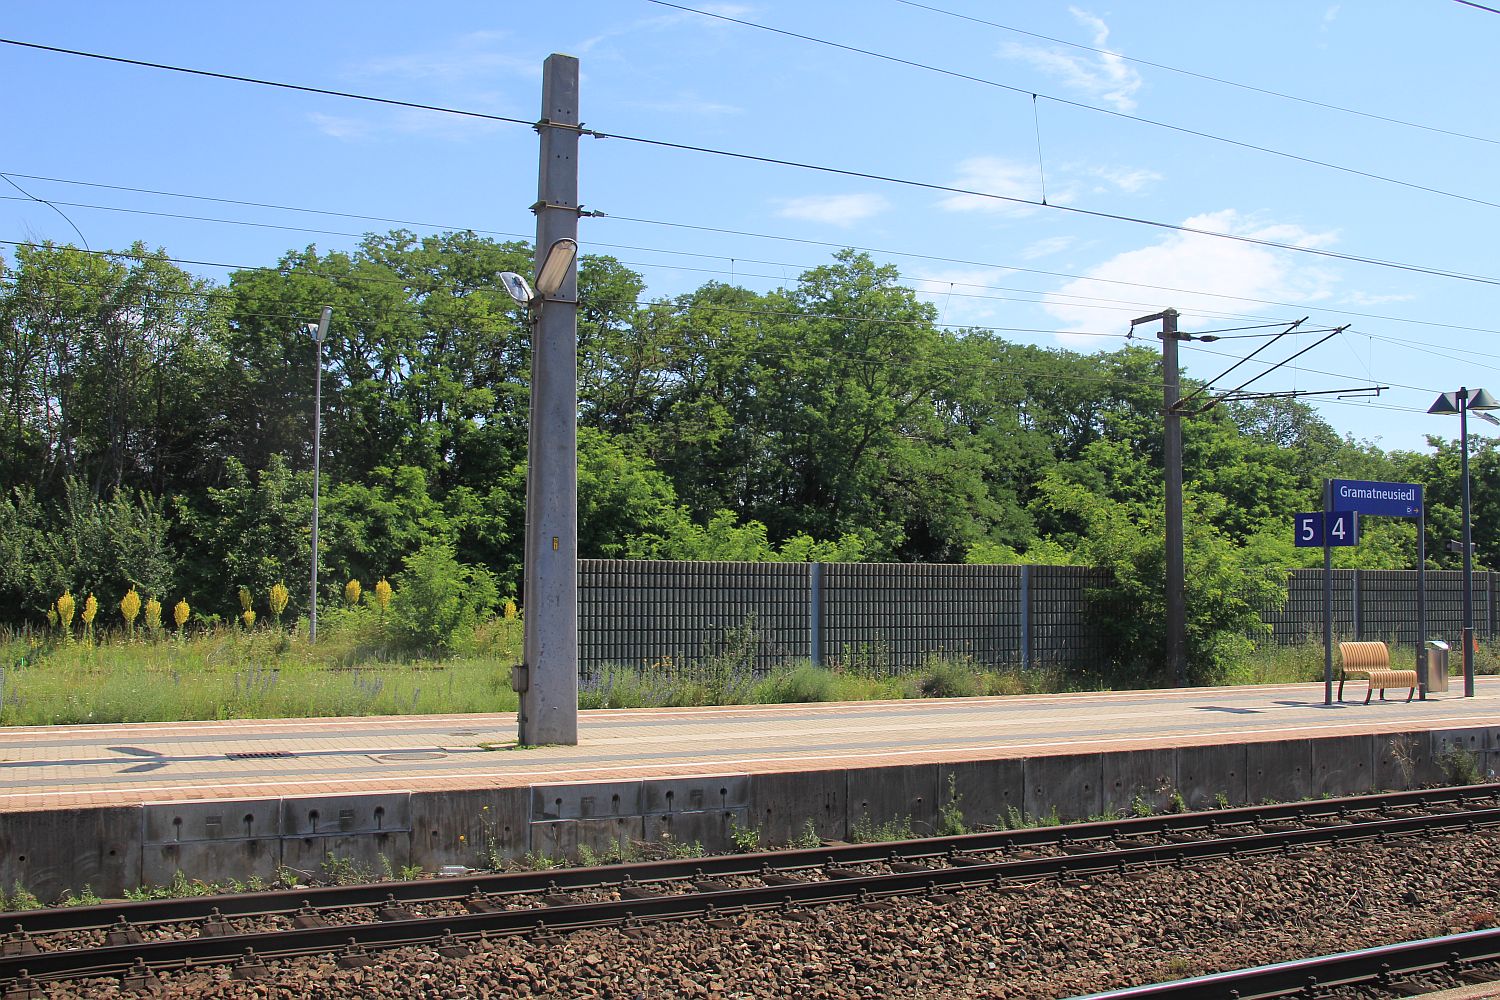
x: 1379, y: 499
x: 1316, y: 529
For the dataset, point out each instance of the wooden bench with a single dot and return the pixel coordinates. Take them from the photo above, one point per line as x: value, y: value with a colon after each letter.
x: 1372, y: 661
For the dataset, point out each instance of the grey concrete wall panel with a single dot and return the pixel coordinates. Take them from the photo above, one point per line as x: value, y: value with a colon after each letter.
x: 670, y: 795
x: 713, y: 828
x: 211, y: 841
x: 892, y: 793
x: 463, y: 827
x: 987, y: 789
x: 335, y: 815
x: 1150, y: 775
x: 62, y: 850
x: 1343, y: 765
x: 1281, y: 770
x: 367, y: 853
x: 561, y: 838
x: 218, y: 820
x: 587, y: 800
x: 1069, y: 785
x: 1404, y: 760
x: 1205, y: 773
x: 211, y: 860
x: 781, y: 805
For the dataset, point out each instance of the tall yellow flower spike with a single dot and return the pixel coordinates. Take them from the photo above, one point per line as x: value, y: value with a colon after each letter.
x: 180, y: 613
x: 65, y: 611
x: 279, y: 597
x: 90, y: 609
x: 130, y: 607
x: 245, y: 599
x: 153, y: 615
x: 248, y: 617
x: 508, y: 610
x: 352, y: 591
x: 382, y: 594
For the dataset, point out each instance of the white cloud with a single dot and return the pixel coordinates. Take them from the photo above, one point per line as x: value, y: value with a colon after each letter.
x: 833, y: 209
x: 478, y: 55
x: 338, y: 128
x: 1128, y: 179
x: 1204, y: 264
x: 1101, y: 75
x: 687, y: 103
x: 1046, y: 247
x: 995, y: 175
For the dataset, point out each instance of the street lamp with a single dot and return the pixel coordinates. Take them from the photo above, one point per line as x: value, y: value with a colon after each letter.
x: 319, y: 331
x: 1461, y: 402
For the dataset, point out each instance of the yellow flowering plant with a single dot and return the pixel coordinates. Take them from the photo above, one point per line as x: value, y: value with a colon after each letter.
x: 90, y: 609
x: 180, y: 614
x: 248, y: 617
x: 383, y: 595
x: 65, y: 607
x: 352, y: 590
x: 153, y: 615
x: 245, y: 599
x: 130, y: 609
x: 279, y: 597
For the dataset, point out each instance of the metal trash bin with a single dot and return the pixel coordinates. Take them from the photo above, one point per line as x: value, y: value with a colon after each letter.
x: 1435, y: 666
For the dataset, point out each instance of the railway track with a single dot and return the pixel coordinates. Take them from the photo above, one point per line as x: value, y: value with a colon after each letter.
x: 1396, y: 970
x: 136, y: 939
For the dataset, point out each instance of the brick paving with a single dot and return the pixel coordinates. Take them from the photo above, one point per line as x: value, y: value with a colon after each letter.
x: 48, y: 767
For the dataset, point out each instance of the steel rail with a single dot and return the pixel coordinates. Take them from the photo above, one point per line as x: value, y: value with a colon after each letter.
x: 1304, y: 977
x: 140, y: 912
x: 115, y: 959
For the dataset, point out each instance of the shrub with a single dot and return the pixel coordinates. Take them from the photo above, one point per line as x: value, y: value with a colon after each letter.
x: 799, y: 685
x: 438, y: 599
x: 946, y: 678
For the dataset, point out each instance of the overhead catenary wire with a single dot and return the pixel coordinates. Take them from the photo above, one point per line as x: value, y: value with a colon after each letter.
x: 1084, y: 105
x: 1202, y: 76
x: 838, y: 171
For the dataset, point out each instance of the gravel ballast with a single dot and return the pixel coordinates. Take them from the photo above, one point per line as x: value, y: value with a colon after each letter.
x: 1030, y: 941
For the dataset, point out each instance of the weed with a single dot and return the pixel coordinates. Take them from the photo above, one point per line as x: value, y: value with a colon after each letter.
x: 1177, y: 804
x: 1140, y: 807
x: 808, y: 838
x: 745, y: 841
x: 86, y: 897
x: 21, y: 898
x: 865, y: 830
x: 1221, y: 800
x: 538, y: 862
x: 1460, y: 766
x: 950, y: 815
x: 343, y: 871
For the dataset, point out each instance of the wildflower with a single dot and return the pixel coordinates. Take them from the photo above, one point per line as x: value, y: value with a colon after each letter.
x: 65, y: 611
x: 90, y: 609
x: 153, y: 615
x: 245, y: 599
x: 508, y: 610
x: 130, y: 608
x: 382, y: 595
x: 248, y: 617
x: 279, y: 597
x: 180, y: 614
x: 351, y: 592
x: 52, y: 617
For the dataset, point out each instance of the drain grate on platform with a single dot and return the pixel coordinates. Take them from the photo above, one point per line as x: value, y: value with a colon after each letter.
x: 257, y: 754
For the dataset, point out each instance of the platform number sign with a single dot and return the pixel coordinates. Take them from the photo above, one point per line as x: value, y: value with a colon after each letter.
x: 1342, y: 528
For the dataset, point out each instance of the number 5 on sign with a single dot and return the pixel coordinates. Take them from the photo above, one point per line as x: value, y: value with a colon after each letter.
x: 1342, y: 528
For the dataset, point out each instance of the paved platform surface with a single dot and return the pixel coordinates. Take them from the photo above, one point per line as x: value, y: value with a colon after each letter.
x: 49, y: 767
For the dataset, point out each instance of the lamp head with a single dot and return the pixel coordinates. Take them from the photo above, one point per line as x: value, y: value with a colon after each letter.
x: 1446, y: 405
x: 517, y: 287
x: 1480, y: 399
x: 554, y: 266
x: 319, y: 330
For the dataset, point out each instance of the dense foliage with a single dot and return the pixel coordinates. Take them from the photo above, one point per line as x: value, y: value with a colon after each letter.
x: 156, y: 429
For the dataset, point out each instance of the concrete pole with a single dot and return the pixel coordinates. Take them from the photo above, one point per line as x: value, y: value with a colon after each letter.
x: 1172, y: 460
x: 549, y: 674
x: 1468, y: 543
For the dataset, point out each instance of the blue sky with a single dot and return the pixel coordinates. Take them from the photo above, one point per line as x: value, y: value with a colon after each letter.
x: 655, y: 72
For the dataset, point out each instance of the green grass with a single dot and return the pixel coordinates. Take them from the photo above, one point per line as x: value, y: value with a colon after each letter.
x: 352, y: 670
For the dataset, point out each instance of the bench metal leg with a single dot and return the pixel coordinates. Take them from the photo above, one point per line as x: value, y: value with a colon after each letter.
x: 1370, y: 691
x: 1341, y: 689
x: 1410, y: 694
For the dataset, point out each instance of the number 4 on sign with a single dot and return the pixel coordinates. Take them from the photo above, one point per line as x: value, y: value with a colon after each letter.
x: 1342, y: 528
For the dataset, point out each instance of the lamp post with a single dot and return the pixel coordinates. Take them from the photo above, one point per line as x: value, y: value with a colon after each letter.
x: 319, y: 331
x: 1461, y: 403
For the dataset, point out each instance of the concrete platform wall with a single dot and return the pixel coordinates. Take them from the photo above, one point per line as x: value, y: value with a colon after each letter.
x: 110, y: 849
